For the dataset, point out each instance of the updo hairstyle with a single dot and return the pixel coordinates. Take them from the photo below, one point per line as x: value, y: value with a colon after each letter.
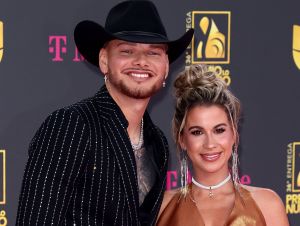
x: 198, y: 86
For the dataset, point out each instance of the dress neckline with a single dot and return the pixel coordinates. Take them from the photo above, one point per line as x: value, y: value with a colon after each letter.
x: 236, y: 199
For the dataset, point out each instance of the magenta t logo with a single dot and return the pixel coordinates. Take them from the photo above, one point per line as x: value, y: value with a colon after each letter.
x: 78, y: 57
x: 57, y: 46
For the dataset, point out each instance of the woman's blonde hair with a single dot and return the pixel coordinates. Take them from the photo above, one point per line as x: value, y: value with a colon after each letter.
x: 197, y: 85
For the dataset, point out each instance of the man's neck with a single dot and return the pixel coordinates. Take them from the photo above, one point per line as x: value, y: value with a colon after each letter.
x: 133, y: 109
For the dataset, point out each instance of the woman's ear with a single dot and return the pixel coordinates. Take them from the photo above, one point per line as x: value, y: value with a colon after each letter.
x: 181, y: 142
x: 235, y: 138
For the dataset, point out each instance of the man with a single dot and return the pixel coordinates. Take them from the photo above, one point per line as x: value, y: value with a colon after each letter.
x: 102, y: 161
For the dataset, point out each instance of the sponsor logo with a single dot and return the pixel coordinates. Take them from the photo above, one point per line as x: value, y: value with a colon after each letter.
x: 173, y: 180
x: 1, y: 41
x: 58, y: 49
x: 293, y: 178
x: 57, y: 46
x: 211, y: 42
x: 296, y: 45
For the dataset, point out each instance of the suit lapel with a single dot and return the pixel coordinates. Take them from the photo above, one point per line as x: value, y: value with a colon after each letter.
x: 155, y: 144
x: 115, y: 125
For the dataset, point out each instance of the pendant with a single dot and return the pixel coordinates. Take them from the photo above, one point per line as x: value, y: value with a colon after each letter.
x: 210, y: 195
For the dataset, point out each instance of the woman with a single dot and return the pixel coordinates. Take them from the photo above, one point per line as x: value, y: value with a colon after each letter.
x: 205, y: 129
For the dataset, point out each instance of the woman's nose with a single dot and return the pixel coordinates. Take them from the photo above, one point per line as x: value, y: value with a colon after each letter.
x: 209, y: 141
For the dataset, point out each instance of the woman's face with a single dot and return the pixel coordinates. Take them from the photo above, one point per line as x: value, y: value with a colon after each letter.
x: 208, y: 138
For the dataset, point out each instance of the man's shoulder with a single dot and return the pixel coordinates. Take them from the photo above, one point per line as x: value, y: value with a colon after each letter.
x: 91, y: 101
x: 84, y: 109
x: 83, y: 105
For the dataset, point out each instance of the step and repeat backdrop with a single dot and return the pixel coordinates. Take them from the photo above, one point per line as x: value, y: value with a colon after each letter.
x: 253, y: 45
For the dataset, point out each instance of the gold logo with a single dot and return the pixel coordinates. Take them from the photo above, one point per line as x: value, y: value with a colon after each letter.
x: 296, y: 45
x: 215, y: 47
x: 296, y: 167
x: 1, y: 40
x: 292, y: 198
x: 2, y: 177
x: 211, y: 42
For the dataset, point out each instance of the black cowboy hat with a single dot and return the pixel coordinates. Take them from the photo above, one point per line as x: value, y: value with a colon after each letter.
x: 132, y: 21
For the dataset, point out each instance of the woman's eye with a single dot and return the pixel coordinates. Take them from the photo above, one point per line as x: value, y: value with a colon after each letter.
x: 196, y: 132
x: 220, y: 130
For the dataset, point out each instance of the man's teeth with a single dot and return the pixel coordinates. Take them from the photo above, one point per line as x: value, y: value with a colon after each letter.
x: 140, y: 75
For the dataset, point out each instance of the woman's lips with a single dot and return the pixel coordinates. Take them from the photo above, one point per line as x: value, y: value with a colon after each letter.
x: 211, y: 157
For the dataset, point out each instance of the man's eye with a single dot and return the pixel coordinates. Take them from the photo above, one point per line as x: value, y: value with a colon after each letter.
x: 153, y: 53
x: 196, y: 132
x: 126, y: 51
x: 220, y: 130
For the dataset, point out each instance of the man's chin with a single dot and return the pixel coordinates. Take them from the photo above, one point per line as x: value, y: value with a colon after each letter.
x: 141, y: 93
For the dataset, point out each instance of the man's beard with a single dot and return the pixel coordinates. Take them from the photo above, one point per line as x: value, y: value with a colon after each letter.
x: 135, y: 92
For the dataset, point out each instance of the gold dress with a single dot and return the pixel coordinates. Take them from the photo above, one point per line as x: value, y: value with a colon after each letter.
x: 182, y: 211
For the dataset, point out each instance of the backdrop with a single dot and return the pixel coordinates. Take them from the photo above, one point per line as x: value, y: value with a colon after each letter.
x: 253, y: 45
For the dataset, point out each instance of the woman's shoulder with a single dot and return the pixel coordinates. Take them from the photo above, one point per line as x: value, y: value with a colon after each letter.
x: 270, y: 205
x: 261, y: 193
x: 263, y: 196
x: 168, y: 196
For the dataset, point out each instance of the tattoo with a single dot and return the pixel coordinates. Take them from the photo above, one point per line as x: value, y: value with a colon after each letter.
x: 145, y: 173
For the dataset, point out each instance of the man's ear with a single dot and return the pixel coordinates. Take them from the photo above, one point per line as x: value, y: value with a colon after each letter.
x: 103, y: 61
x: 167, y: 68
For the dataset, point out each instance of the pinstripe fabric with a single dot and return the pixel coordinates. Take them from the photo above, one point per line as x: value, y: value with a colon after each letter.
x: 81, y: 169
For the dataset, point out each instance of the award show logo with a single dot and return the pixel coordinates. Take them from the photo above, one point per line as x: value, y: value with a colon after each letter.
x: 211, y: 44
x: 296, y: 45
x: 211, y: 41
x: 1, y: 40
x: 293, y: 178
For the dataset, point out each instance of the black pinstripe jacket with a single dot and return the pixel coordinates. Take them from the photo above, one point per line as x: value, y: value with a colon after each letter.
x: 81, y: 169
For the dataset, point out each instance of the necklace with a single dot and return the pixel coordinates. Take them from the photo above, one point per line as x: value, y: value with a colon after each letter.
x: 212, y: 187
x: 138, y: 146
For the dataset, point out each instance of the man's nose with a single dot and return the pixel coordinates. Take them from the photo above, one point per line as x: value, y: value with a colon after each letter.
x: 141, y: 59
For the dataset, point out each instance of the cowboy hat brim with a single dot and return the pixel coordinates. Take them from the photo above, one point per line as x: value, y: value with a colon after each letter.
x: 90, y: 37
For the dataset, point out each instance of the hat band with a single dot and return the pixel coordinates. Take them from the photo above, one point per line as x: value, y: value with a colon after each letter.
x: 140, y: 33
